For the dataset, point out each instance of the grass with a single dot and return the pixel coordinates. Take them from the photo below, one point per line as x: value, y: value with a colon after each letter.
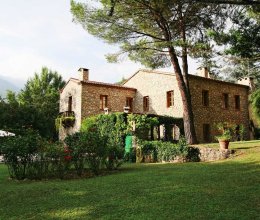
x: 236, y: 145
x: 227, y: 189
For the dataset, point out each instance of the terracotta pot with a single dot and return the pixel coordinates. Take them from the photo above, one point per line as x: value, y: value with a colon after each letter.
x: 223, y: 144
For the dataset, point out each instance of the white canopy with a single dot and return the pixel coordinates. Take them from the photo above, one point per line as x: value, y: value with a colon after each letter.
x: 6, y: 133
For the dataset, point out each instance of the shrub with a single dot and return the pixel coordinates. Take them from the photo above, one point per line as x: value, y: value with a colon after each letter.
x: 95, y: 149
x: 88, y: 124
x: 77, y: 148
x: 19, y: 153
x: 193, y: 154
x: 164, y: 151
x: 29, y: 156
x: 57, y: 159
x: 115, y: 157
x: 112, y: 128
x: 148, y: 150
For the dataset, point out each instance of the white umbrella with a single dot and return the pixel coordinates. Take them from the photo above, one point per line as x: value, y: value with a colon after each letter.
x: 6, y: 133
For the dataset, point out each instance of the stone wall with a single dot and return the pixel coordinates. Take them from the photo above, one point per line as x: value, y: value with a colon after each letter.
x: 86, y: 99
x: 212, y: 154
x: 73, y: 89
x: 155, y: 85
x: 215, y: 112
x: 116, y: 98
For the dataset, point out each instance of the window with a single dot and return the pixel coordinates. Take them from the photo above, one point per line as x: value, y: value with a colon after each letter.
x: 70, y: 104
x: 103, y: 102
x: 226, y: 100
x: 205, y: 97
x: 170, y: 98
x: 146, y: 103
x: 237, y: 102
x: 206, y: 132
x: 129, y: 103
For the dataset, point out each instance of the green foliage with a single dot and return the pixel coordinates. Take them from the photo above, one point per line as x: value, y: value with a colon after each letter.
x: 36, y: 106
x: 241, y: 132
x: 89, y: 147
x: 140, y: 27
x: 193, y: 154
x: 88, y: 124
x: 112, y: 127
x: 255, y: 103
x: 64, y: 121
x: 226, y: 131
x: 142, y: 191
x: 95, y: 148
x: 141, y: 125
x: 57, y: 160
x: 155, y: 33
x: 164, y: 151
x: 76, y: 146
x: 242, y: 45
x: 122, y: 81
x: 27, y: 155
x: 229, y: 131
x: 19, y: 153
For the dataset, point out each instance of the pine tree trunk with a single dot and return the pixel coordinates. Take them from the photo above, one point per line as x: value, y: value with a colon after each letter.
x: 188, y: 119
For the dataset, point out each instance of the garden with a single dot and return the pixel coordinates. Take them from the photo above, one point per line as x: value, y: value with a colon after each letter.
x: 98, y: 149
x: 102, y: 145
x: 226, y: 189
x: 80, y: 178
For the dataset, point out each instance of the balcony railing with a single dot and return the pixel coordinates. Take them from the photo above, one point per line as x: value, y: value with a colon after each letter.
x: 66, y: 119
x: 67, y: 114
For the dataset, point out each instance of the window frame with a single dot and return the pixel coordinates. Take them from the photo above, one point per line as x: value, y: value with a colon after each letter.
x: 205, y: 97
x: 103, y: 102
x: 226, y: 100
x: 170, y: 98
x: 237, y: 102
x: 146, y: 103
x: 70, y: 100
x: 131, y: 103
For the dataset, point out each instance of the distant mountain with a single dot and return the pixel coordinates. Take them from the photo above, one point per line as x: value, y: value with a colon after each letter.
x: 7, y: 85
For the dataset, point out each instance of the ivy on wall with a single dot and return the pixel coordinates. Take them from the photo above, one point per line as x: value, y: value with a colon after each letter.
x: 116, y: 126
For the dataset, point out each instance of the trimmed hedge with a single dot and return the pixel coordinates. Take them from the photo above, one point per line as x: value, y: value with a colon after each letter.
x: 159, y: 151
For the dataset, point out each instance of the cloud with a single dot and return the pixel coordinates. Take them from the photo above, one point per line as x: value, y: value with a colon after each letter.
x: 41, y: 33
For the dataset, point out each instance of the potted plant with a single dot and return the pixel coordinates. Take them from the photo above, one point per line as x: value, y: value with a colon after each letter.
x: 226, y: 135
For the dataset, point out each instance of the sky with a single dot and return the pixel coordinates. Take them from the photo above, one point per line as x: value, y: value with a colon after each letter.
x: 36, y: 33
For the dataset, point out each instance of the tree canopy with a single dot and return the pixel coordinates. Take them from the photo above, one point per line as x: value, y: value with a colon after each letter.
x: 36, y: 106
x: 242, y: 44
x: 156, y: 33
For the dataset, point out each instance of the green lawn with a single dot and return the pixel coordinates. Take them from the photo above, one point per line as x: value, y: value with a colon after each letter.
x: 228, y: 189
x: 236, y: 145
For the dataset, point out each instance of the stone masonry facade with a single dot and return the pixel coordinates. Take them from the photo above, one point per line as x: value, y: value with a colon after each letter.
x: 116, y: 98
x: 155, y: 85
x: 216, y: 112
x: 86, y: 95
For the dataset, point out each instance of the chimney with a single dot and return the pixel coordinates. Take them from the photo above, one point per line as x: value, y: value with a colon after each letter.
x: 83, y: 74
x: 203, y: 72
x: 247, y: 81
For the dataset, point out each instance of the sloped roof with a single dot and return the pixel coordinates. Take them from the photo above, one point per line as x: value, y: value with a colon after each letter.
x: 192, y: 75
x: 95, y: 83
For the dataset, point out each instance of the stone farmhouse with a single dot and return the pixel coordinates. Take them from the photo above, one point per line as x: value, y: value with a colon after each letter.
x: 155, y: 92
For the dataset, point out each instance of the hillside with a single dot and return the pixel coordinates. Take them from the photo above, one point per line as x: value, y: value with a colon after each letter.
x: 7, y: 85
